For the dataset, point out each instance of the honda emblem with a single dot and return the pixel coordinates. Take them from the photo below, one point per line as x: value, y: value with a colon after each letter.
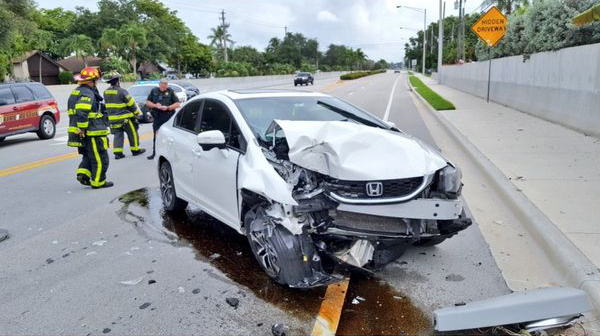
x: 374, y: 189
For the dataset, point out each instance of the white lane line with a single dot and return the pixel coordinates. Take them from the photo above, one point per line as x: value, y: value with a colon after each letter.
x: 350, y: 93
x: 389, y: 104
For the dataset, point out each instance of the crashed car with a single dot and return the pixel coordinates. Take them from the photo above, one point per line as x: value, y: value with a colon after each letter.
x: 308, y: 178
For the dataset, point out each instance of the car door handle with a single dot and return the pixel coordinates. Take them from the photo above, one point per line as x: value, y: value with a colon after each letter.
x: 197, y: 152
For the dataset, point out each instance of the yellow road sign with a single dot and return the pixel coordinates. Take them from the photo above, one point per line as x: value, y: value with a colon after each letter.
x: 491, y: 27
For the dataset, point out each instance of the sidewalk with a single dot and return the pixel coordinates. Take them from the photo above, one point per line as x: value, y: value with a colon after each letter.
x: 556, y: 168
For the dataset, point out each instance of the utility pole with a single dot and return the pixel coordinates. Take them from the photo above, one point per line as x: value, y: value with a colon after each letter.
x: 224, y: 37
x: 440, y: 39
x: 285, y: 29
x: 424, y: 37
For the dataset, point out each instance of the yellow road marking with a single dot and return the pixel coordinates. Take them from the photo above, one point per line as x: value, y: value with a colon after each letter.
x: 47, y: 161
x: 331, y: 309
x: 333, y: 85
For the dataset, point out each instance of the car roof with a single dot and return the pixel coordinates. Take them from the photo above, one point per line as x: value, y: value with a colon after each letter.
x: 266, y: 93
x: 154, y: 84
x: 21, y: 83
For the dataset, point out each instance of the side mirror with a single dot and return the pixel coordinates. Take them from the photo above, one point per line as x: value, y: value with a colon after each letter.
x: 211, y: 139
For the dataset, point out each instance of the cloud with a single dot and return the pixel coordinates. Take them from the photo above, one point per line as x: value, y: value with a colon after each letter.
x: 327, y: 16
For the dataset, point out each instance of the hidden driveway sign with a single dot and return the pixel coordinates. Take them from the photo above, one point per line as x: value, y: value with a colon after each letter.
x: 491, y: 27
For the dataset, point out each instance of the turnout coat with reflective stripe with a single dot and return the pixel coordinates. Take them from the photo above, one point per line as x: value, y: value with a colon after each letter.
x: 120, y: 106
x: 85, y: 114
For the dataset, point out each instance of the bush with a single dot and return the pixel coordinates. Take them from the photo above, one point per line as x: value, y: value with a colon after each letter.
x: 359, y: 74
x: 155, y: 75
x: 434, y: 99
x: 129, y: 77
x: 113, y: 63
x: 65, y: 77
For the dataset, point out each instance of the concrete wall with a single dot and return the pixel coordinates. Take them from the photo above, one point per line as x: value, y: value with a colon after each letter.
x: 561, y: 86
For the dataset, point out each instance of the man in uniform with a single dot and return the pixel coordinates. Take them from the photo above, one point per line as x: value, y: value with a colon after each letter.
x: 122, y: 116
x: 88, y: 130
x: 163, y: 102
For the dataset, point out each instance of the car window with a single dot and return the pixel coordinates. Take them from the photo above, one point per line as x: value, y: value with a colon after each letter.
x: 175, y: 88
x: 188, y: 116
x: 40, y: 91
x: 7, y: 96
x: 22, y: 94
x: 141, y: 90
x: 215, y: 116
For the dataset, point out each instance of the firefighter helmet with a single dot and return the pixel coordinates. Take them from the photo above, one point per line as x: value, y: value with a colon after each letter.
x: 111, y: 75
x: 88, y: 74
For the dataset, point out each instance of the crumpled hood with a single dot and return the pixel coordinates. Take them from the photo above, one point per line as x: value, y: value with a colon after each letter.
x: 355, y: 152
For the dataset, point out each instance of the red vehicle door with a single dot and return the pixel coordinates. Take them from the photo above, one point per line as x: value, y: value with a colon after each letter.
x: 8, y: 111
x: 26, y: 107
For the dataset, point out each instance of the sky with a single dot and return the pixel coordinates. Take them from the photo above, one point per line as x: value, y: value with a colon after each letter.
x: 372, y: 25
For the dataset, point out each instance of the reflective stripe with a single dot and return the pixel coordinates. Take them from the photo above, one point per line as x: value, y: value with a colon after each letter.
x: 99, y: 132
x: 105, y: 142
x: 86, y: 99
x: 136, y: 145
x: 95, y: 115
x: 74, y: 144
x: 83, y: 106
x: 110, y: 91
x: 118, y: 150
x: 75, y: 93
x: 71, y: 112
x: 120, y: 116
x: 84, y: 171
x: 96, y: 181
x: 73, y: 129
x: 116, y: 105
x: 83, y: 124
x: 131, y: 101
x: 116, y: 125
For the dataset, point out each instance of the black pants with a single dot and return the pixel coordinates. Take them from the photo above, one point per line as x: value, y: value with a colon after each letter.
x: 84, y: 165
x: 159, y: 119
x: 127, y: 127
x: 96, y: 149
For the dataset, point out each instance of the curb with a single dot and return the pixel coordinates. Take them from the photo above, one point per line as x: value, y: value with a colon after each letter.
x: 579, y: 271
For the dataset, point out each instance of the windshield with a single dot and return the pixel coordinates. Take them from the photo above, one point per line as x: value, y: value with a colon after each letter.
x: 259, y: 113
x: 302, y: 74
x: 141, y: 90
x: 176, y: 88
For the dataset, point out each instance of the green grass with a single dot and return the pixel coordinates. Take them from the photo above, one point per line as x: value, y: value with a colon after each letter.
x: 434, y: 99
x: 410, y: 73
x: 359, y: 74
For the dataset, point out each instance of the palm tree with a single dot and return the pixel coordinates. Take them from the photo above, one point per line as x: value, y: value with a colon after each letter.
x: 132, y: 37
x: 221, y: 35
x: 80, y: 44
x: 508, y: 6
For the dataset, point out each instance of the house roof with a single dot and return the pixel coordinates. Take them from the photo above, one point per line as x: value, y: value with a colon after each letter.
x: 75, y: 64
x: 28, y: 55
x: 150, y: 67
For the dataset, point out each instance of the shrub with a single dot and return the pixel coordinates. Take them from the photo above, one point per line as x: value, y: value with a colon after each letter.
x: 113, y: 63
x: 359, y: 74
x: 129, y: 77
x: 155, y: 75
x: 65, y: 77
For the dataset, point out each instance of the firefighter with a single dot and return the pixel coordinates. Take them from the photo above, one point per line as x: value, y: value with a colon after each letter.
x: 123, y: 113
x: 163, y: 102
x: 88, y: 130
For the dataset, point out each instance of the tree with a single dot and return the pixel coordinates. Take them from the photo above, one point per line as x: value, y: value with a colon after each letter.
x: 220, y: 37
x: 131, y: 38
x: 80, y: 44
x: 508, y: 6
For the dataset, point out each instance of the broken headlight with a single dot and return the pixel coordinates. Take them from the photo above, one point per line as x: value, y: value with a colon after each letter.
x: 449, y: 181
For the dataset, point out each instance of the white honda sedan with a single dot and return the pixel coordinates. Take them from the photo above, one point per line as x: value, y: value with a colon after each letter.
x: 311, y: 180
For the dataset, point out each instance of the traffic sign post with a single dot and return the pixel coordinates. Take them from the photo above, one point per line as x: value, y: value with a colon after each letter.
x: 490, y: 28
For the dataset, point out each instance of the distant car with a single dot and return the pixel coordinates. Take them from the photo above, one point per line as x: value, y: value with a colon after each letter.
x: 140, y: 93
x: 303, y: 78
x: 190, y: 90
x: 27, y: 107
x: 396, y: 70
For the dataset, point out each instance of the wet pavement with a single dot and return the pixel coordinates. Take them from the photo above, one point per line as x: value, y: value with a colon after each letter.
x: 372, y: 306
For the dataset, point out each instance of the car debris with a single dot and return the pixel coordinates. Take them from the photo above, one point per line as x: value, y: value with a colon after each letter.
x: 3, y: 235
x: 279, y: 329
x: 233, y: 302
x: 532, y: 310
x: 132, y: 282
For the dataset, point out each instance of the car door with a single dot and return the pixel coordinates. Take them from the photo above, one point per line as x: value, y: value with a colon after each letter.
x: 216, y: 168
x: 8, y: 111
x: 27, y: 107
x: 184, y: 148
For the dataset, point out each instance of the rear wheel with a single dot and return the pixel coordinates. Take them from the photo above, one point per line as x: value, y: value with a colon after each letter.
x: 169, y: 197
x: 47, y: 128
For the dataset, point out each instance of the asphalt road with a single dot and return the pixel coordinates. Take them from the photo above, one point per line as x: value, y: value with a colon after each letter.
x: 80, y: 261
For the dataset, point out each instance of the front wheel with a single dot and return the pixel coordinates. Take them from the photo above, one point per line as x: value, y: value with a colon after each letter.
x: 169, y: 197
x: 47, y: 128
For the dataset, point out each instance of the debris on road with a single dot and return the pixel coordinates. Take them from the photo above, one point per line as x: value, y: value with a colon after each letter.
x: 150, y: 282
x: 99, y: 243
x: 358, y: 300
x: 214, y: 256
x: 232, y: 302
x: 181, y: 290
x: 534, y: 310
x: 145, y: 305
x: 279, y: 329
x: 3, y: 235
x: 132, y: 282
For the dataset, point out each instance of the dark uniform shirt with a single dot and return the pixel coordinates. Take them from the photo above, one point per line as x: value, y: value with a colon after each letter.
x: 120, y: 106
x: 85, y: 113
x: 165, y: 98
